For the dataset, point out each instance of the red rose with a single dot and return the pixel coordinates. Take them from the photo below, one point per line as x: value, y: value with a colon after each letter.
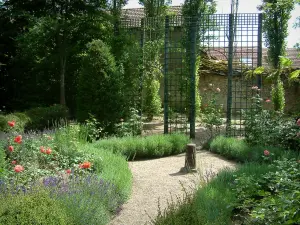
x: 68, y: 171
x: 11, y: 123
x: 48, y: 151
x: 18, y: 139
x: 18, y: 168
x: 11, y: 148
x: 14, y: 162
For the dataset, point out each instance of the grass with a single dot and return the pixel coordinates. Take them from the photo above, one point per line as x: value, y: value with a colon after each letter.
x: 145, y: 147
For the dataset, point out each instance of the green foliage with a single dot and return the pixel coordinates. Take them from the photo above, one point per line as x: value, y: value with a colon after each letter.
x: 21, y: 120
x: 201, y: 207
x: 111, y: 167
x: 152, y: 74
x: 265, y: 127
x: 211, y: 109
x: 271, y: 198
x: 131, y: 126
x: 100, y: 84
x: 278, y: 96
x: 239, y: 150
x: 145, y: 147
x: 46, y: 117
x: 275, y: 27
x: 34, y: 208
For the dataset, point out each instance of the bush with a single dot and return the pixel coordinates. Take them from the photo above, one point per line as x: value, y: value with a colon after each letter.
x: 239, y: 150
x: 271, y: 198
x: 100, y: 87
x: 21, y: 120
x: 265, y: 127
x: 33, y: 208
x: 46, y: 117
x: 145, y: 147
x: 2, y: 160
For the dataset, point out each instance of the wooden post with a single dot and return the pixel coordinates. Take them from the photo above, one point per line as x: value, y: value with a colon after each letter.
x: 190, y: 157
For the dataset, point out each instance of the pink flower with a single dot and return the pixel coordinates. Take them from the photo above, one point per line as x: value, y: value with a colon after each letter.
x: 18, y: 168
x: 218, y: 89
x: 18, y: 139
x: 254, y: 88
x: 13, y: 162
x: 298, y: 122
x: 266, y: 153
x: 68, y: 171
x: 11, y: 148
x: 11, y: 123
x: 268, y: 100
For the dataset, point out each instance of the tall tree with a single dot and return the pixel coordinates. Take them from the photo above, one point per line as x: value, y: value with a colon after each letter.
x: 276, y: 15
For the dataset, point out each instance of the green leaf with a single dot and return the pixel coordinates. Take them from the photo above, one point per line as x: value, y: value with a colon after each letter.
x: 259, y: 70
x: 285, y: 62
x: 294, y: 75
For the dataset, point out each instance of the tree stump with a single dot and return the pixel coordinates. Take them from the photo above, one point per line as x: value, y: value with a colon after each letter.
x: 190, y: 157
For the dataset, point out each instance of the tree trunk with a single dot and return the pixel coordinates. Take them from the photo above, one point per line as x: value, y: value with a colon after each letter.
x: 190, y: 157
x: 62, y: 79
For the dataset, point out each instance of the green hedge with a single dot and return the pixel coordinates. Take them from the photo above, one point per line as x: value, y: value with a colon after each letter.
x: 238, y: 149
x: 145, y: 147
x: 34, y: 119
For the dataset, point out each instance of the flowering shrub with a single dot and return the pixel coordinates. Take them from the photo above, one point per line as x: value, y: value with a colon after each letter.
x: 267, y: 127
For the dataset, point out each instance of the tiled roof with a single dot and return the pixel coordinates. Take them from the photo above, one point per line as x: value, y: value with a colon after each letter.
x: 138, y: 13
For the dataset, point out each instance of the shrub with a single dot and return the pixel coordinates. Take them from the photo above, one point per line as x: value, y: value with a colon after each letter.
x: 265, y: 127
x: 2, y: 160
x: 100, y: 86
x: 46, y: 117
x: 146, y: 147
x: 21, y: 120
x: 238, y: 149
x: 271, y: 198
x: 33, y: 208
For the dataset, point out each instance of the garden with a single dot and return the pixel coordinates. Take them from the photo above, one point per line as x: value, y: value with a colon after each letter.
x: 96, y: 105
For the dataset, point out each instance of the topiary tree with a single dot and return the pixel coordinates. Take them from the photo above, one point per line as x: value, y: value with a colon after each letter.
x: 100, y: 84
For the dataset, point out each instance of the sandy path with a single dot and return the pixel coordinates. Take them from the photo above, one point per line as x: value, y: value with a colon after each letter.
x: 159, y: 179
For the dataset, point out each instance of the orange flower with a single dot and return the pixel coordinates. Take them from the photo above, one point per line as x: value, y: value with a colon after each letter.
x: 18, y: 168
x: 11, y: 148
x: 11, y: 123
x: 48, y: 151
x: 18, y: 139
x: 85, y: 165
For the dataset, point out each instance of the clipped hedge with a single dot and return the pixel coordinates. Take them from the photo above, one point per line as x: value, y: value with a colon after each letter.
x: 145, y: 147
x: 34, y: 119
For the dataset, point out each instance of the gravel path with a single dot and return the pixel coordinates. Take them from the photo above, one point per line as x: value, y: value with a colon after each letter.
x: 160, y: 179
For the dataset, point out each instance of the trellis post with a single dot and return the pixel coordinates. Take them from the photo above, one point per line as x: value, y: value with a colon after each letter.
x: 166, y: 91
